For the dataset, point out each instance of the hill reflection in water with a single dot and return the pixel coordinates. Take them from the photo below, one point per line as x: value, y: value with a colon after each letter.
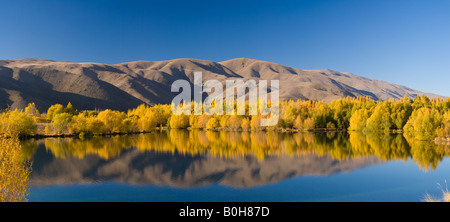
x: 184, y: 158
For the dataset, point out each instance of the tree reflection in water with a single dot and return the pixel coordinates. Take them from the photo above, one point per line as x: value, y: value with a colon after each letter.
x: 225, y: 144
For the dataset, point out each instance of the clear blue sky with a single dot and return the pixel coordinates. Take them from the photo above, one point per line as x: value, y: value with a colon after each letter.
x: 400, y: 41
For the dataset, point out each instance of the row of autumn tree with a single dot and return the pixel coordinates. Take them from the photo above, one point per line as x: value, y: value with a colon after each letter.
x: 421, y: 117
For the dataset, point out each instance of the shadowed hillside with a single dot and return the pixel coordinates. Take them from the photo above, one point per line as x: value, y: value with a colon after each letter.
x: 126, y: 85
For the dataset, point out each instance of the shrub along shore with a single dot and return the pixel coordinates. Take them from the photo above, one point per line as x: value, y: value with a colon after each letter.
x: 422, y: 118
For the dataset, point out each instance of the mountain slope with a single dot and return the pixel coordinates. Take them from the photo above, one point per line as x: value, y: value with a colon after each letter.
x: 321, y: 84
x: 126, y: 85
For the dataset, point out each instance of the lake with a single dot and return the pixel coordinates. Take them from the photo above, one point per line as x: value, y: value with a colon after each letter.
x: 191, y: 166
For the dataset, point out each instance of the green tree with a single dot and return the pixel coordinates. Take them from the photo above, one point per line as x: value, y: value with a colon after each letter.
x: 359, y: 119
x: 54, y: 110
x: 288, y: 116
x: 446, y: 124
x: 322, y: 116
x: 69, y: 109
x: 401, y: 111
x: 17, y: 123
x: 342, y: 109
x: 380, y: 120
x: 424, y: 123
x: 421, y: 102
x: 95, y: 126
x: 60, y: 122
x: 78, y: 124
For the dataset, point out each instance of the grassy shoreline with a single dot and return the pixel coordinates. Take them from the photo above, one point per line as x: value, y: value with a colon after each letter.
x: 41, y: 132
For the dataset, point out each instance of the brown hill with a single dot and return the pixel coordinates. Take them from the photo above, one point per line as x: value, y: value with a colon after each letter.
x: 126, y: 85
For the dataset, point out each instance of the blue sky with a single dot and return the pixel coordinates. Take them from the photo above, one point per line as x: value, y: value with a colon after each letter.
x: 401, y: 41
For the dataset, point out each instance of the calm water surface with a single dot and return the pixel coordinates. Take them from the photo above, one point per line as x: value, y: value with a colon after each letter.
x: 180, y: 165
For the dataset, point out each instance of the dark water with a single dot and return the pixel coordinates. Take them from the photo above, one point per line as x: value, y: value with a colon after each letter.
x: 181, y: 165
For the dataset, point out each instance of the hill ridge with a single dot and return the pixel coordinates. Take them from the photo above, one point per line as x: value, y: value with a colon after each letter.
x: 125, y: 85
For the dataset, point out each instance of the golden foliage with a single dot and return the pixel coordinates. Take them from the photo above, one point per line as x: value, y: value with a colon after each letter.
x: 340, y: 146
x: 423, y: 117
x: 14, y: 171
x: 17, y: 123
